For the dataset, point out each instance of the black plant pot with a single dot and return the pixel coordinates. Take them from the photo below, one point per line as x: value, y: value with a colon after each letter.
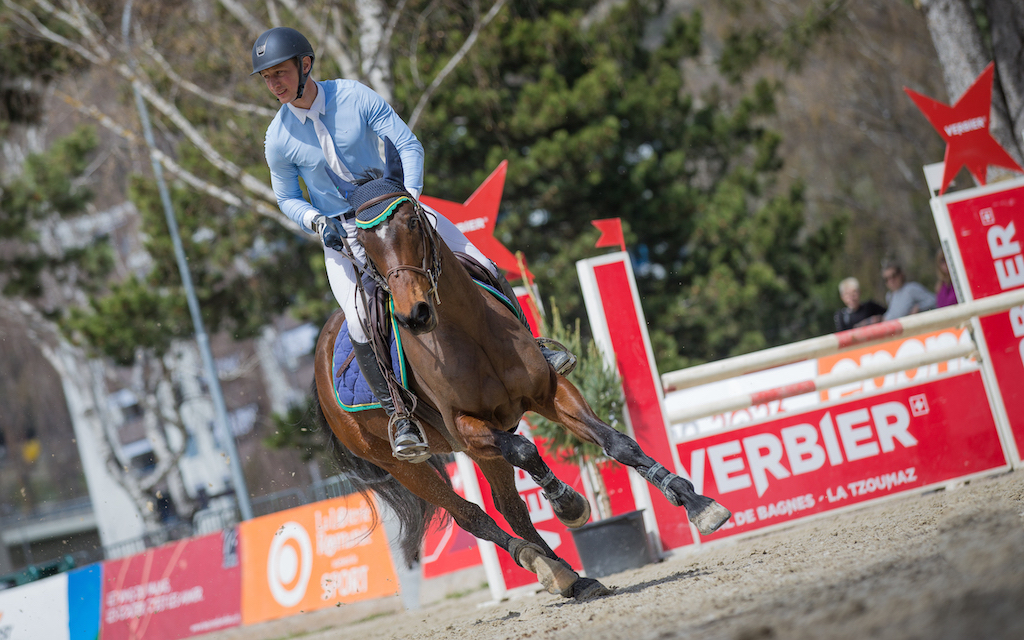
x: 614, y: 544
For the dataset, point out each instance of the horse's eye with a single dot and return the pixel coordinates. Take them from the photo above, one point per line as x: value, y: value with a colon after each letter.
x: 414, y: 223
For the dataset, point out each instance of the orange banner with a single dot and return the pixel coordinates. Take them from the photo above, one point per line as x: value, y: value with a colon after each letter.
x: 886, y: 352
x: 312, y: 557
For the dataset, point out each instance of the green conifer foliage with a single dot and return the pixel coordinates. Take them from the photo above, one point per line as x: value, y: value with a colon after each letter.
x: 45, y: 192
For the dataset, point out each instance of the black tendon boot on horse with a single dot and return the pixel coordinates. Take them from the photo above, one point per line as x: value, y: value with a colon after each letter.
x: 407, y: 439
x: 559, y: 358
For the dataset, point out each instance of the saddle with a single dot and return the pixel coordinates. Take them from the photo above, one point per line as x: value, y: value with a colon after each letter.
x: 350, y: 386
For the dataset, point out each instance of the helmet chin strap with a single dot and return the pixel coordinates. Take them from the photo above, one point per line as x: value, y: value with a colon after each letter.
x: 302, y: 78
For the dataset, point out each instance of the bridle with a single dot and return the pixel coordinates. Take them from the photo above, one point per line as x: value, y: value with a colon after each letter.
x: 431, y: 268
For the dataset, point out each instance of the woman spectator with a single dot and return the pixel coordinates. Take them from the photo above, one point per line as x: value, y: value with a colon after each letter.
x: 945, y: 294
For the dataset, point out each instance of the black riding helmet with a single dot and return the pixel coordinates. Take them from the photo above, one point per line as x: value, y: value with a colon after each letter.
x: 276, y: 45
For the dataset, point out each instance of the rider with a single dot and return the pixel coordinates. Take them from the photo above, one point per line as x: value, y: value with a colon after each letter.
x: 354, y: 120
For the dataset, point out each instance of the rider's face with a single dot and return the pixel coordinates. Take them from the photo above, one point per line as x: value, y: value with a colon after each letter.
x: 282, y: 80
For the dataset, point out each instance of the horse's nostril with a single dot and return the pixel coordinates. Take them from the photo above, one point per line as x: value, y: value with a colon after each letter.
x: 421, y: 313
x: 421, y: 318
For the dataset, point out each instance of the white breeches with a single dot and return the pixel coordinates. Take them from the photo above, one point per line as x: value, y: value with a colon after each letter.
x: 342, y: 275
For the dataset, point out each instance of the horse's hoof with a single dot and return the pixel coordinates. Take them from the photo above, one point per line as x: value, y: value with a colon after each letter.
x: 577, y: 505
x: 710, y: 518
x: 556, y: 577
x: 587, y: 588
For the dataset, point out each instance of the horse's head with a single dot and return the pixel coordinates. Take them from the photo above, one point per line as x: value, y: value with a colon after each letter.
x: 400, y: 243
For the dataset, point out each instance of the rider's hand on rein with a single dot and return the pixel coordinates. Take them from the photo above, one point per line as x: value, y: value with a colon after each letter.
x: 331, y: 232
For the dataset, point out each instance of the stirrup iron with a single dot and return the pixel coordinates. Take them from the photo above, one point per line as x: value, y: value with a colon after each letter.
x: 557, y: 355
x: 408, y: 449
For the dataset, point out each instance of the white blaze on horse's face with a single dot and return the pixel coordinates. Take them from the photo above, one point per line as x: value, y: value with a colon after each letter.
x: 397, y: 249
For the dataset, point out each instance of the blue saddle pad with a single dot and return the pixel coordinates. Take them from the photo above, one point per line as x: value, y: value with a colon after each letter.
x: 350, y: 388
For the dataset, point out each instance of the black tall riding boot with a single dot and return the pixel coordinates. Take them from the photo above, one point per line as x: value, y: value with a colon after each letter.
x: 408, y: 442
x: 560, y: 359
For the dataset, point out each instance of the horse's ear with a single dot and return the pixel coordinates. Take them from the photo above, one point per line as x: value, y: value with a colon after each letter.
x: 393, y: 162
x: 345, y: 188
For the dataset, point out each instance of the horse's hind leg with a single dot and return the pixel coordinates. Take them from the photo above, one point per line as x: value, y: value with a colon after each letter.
x: 571, y: 410
x: 570, y: 507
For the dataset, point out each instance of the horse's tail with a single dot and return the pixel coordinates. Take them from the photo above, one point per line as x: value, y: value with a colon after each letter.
x: 413, y: 513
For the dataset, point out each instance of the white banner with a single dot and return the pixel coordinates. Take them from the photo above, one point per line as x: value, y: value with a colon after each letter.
x: 36, y: 610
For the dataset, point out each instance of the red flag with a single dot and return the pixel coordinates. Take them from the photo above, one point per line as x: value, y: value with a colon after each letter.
x: 611, y: 233
x: 964, y: 127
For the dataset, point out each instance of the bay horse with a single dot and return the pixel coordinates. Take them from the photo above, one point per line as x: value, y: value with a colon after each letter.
x: 474, y: 362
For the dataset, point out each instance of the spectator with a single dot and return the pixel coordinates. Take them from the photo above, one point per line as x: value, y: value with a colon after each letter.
x: 855, y: 314
x: 904, y: 298
x: 945, y: 294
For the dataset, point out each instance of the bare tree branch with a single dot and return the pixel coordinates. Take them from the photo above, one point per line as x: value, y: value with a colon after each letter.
x: 421, y: 21
x: 33, y: 23
x: 332, y: 44
x: 195, y: 136
x: 147, y: 386
x: 198, y: 91
x: 455, y: 60
x: 249, y: 21
x: 101, y: 57
x: 171, y: 165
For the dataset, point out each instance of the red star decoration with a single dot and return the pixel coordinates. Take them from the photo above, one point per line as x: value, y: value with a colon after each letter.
x: 476, y: 218
x: 964, y: 127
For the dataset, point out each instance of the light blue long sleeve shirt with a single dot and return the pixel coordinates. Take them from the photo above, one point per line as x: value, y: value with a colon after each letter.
x: 357, y: 118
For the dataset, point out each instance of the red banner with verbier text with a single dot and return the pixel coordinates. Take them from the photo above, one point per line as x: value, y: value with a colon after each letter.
x: 846, y: 454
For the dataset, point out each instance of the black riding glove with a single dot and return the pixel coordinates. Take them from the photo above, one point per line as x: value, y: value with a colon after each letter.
x: 331, y: 232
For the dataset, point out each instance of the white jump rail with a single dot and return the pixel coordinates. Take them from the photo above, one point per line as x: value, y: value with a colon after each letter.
x: 827, y: 381
x: 839, y: 342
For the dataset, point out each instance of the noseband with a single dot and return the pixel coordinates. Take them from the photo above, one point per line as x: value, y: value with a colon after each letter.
x: 431, y: 268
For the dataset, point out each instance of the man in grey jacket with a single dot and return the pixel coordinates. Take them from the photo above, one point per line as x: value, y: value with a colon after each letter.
x: 904, y: 298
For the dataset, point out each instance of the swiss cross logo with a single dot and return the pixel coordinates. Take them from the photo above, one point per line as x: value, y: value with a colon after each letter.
x: 919, y: 405
x: 988, y: 217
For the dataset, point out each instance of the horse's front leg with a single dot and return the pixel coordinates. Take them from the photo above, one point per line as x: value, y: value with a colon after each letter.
x: 569, y: 506
x: 570, y: 409
x: 500, y: 476
x: 496, y: 452
x: 557, y: 577
x: 484, y: 447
